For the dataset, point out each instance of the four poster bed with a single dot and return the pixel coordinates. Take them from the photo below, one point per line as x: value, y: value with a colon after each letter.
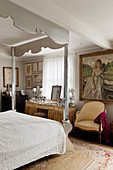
x: 24, y: 138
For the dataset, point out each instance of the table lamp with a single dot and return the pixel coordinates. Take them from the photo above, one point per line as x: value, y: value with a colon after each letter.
x: 34, y: 92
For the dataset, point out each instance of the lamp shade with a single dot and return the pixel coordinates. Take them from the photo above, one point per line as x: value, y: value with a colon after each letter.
x: 34, y: 89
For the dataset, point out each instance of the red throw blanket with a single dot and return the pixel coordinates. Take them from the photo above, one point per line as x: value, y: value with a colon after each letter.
x: 104, y: 125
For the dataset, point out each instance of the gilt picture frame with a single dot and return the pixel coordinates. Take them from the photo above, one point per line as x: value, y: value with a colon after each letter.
x: 28, y: 69
x: 7, y: 76
x: 96, y: 76
x: 35, y: 67
x: 28, y: 82
x: 40, y: 66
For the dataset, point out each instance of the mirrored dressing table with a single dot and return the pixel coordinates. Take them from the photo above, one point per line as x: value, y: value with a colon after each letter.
x: 48, y: 110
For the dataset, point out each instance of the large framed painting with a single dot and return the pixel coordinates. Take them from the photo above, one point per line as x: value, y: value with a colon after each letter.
x: 7, y: 76
x: 96, y: 76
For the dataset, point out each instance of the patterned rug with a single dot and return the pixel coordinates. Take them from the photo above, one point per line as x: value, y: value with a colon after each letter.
x: 85, y: 156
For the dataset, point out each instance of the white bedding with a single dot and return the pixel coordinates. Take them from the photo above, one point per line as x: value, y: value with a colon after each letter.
x: 25, y: 138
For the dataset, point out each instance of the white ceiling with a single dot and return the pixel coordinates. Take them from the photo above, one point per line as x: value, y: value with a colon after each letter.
x: 90, y: 22
x: 91, y: 19
x: 97, y: 14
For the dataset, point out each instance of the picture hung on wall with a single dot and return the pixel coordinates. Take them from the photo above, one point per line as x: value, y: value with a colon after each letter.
x: 37, y: 79
x: 28, y: 83
x: 35, y: 67
x: 40, y: 66
x: 7, y: 76
x: 96, y: 76
x: 28, y: 69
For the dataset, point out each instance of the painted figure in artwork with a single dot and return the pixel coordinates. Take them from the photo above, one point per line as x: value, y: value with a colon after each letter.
x: 95, y: 84
x: 98, y: 80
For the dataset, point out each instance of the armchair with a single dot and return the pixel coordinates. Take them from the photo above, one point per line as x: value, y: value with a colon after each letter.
x: 85, y: 117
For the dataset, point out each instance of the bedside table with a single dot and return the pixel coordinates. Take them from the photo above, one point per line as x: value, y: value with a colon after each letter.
x: 20, y: 103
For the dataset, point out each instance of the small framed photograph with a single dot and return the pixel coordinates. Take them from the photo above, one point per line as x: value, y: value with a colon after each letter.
x: 35, y: 67
x: 37, y: 79
x: 28, y: 83
x: 56, y: 91
x: 28, y: 69
x: 7, y: 76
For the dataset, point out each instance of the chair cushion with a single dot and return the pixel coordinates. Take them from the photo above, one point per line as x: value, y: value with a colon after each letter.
x: 87, y: 125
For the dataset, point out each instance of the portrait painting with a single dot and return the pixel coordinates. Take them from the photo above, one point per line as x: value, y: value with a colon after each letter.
x: 96, y: 76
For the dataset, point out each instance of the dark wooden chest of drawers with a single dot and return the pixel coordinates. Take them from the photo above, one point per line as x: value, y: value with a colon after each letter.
x: 20, y: 103
x: 6, y: 103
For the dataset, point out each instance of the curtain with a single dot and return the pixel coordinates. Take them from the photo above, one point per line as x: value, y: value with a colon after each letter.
x: 53, y: 73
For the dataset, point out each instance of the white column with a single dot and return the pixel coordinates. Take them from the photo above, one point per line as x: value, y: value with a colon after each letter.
x: 65, y: 110
x: 13, y: 78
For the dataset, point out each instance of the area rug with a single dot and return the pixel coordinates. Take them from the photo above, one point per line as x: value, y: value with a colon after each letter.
x: 85, y: 156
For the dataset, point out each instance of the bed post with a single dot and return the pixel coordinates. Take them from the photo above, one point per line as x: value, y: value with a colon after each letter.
x: 13, y: 78
x: 66, y: 124
x: 65, y: 110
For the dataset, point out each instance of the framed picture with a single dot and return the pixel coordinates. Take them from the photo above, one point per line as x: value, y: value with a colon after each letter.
x: 40, y: 66
x: 28, y: 69
x: 28, y: 83
x: 35, y: 67
x: 56, y: 91
x: 96, y: 76
x: 37, y: 80
x: 7, y: 76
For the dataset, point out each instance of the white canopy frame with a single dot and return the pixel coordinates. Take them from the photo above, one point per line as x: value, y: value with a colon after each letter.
x: 65, y: 110
x: 59, y: 38
x: 29, y: 22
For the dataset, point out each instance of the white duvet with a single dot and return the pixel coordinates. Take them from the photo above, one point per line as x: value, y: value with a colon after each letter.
x: 25, y: 138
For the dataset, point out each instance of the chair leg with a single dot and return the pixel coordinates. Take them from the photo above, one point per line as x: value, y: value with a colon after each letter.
x: 73, y: 131
x: 100, y: 137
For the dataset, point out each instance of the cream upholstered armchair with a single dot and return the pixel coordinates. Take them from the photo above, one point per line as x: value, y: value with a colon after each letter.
x: 85, y: 117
